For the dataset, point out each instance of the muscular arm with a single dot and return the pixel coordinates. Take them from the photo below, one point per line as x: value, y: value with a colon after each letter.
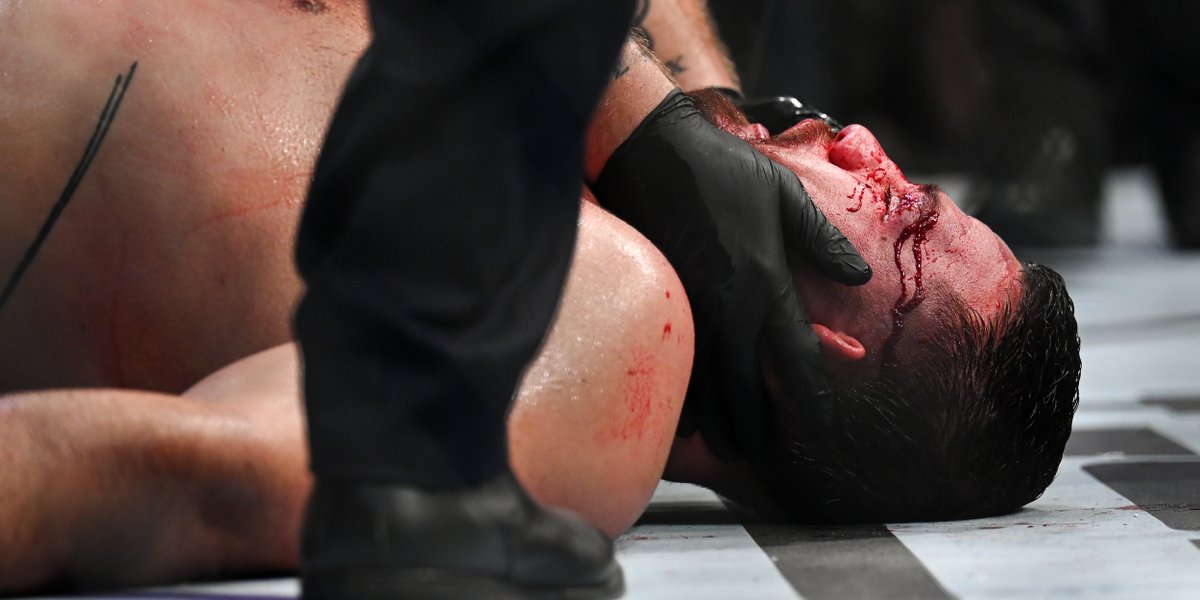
x: 116, y: 487
x: 100, y: 484
x: 681, y: 49
x: 595, y: 415
x: 639, y: 83
x: 684, y: 38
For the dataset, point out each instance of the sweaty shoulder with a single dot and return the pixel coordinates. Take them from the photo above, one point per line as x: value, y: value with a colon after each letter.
x: 596, y: 413
x: 172, y: 256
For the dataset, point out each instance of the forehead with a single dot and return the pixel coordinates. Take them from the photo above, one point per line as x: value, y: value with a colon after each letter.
x: 974, y: 262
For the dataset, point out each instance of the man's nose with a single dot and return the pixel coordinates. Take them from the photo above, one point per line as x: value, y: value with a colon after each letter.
x: 856, y: 149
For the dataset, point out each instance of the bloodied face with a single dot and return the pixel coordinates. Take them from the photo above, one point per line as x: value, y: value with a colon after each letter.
x: 925, y: 252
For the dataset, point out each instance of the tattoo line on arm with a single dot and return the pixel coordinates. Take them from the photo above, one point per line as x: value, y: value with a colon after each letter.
x: 620, y: 69
x: 675, y: 65
x: 120, y: 86
x: 638, y: 37
x: 644, y: 53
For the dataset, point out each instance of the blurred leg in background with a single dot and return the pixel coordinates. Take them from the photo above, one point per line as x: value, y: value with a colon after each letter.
x: 1043, y: 135
x: 1013, y: 93
x: 1157, y: 80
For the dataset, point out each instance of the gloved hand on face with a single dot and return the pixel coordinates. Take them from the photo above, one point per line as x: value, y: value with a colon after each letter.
x: 729, y: 220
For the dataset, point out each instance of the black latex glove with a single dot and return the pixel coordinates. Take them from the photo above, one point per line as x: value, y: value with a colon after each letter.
x: 729, y: 219
x: 777, y: 114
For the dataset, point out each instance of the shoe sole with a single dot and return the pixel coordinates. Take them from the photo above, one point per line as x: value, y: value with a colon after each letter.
x: 445, y: 585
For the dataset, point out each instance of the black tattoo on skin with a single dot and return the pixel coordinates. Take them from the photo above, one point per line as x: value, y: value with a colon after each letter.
x: 115, y: 97
x: 621, y: 69
x: 676, y: 65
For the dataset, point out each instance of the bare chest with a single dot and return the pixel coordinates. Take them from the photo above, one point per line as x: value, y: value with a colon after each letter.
x: 160, y: 250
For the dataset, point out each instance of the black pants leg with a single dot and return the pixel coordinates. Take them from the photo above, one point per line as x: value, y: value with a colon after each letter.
x: 439, y: 229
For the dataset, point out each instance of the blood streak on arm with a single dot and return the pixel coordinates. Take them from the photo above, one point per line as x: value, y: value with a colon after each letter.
x: 637, y: 408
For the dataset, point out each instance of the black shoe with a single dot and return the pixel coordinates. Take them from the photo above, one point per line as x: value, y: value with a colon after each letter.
x: 377, y: 542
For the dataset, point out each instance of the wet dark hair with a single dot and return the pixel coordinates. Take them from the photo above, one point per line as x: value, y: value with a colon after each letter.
x: 975, y: 424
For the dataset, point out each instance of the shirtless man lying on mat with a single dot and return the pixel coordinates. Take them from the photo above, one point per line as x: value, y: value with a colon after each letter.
x: 149, y: 404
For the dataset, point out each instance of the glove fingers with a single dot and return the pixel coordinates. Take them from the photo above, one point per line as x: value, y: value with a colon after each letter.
x: 810, y: 237
x: 793, y: 357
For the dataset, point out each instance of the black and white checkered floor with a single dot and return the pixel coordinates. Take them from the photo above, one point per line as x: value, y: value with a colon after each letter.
x: 1122, y: 520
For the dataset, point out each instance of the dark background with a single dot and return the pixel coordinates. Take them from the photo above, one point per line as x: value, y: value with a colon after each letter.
x: 1032, y: 100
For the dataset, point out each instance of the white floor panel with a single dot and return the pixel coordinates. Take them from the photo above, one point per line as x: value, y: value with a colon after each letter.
x: 686, y: 562
x: 689, y: 561
x: 1080, y: 540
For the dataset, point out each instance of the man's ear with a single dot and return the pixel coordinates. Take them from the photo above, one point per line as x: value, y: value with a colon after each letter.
x: 839, y: 346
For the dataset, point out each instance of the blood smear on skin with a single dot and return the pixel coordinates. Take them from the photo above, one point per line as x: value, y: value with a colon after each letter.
x: 918, y: 232
x: 639, y: 395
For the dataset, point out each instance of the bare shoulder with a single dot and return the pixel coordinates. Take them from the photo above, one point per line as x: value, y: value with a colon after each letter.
x: 596, y: 412
x: 621, y: 253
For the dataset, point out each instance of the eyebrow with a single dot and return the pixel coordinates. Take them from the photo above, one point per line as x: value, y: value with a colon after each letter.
x: 933, y: 195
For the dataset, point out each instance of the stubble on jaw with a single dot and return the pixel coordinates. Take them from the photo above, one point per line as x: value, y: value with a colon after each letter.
x: 807, y: 132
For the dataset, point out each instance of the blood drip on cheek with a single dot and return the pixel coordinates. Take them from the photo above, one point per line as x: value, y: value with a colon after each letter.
x: 857, y: 194
x: 918, y: 232
x: 877, y: 176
